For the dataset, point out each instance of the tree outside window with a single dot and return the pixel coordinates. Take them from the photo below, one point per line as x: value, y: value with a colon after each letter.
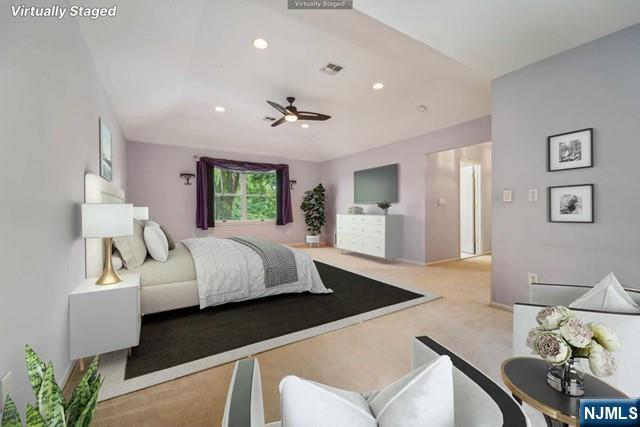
x: 244, y: 196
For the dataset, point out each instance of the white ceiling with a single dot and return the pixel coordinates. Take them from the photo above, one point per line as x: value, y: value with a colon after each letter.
x: 166, y: 64
x: 496, y: 37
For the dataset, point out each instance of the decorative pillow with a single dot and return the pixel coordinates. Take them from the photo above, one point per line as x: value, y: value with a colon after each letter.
x: 156, y: 241
x: 116, y: 261
x: 170, y: 241
x: 607, y: 295
x: 423, y: 397
x: 132, y: 248
x: 306, y: 403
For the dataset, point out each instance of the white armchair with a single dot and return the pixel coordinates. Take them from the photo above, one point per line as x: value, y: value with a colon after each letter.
x: 626, y: 326
x: 479, y: 401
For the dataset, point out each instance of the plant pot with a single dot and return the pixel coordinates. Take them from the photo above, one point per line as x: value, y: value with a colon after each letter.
x: 313, y: 240
x: 385, y: 211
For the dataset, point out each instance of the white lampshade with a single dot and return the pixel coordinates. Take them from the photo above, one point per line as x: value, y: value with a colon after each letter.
x: 107, y: 220
x: 141, y: 213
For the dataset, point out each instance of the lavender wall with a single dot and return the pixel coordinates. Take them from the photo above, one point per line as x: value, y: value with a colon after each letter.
x: 154, y: 182
x: 443, y: 181
x: 51, y: 101
x: 410, y: 154
x: 594, y: 85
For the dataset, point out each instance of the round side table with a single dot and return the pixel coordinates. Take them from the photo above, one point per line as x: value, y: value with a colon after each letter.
x: 526, y: 378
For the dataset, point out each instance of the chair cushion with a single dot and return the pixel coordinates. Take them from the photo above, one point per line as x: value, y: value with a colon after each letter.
x: 607, y: 295
x: 423, y: 397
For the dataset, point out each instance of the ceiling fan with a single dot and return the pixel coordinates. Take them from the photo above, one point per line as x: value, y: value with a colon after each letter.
x: 291, y: 113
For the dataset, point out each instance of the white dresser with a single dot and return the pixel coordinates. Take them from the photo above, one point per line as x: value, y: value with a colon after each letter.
x: 375, y: 235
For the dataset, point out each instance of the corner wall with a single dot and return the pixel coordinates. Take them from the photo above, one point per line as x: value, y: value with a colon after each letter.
x: 49, y: 108
x: 410, y: 155
x: 594, y: 85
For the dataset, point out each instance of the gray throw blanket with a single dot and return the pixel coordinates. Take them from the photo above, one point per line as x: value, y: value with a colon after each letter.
x: 279, y: 261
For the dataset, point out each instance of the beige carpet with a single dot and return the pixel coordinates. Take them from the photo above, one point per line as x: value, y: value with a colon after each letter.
x: 361, y: 357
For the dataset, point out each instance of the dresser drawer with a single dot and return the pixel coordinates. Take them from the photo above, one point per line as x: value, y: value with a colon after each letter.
x: 374, y: 219
x: 348, y: 219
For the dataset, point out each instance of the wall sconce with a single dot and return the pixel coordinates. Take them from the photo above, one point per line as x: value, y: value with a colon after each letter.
x: 187, y: 177
x: 292, y: 183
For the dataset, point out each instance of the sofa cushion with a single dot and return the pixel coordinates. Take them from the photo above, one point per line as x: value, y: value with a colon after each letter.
x: 607, y: 295
x: 423, y: 397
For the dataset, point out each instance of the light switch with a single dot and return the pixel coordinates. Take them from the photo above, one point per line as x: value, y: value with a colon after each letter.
x: 507, y: 196
x: 533, y: 195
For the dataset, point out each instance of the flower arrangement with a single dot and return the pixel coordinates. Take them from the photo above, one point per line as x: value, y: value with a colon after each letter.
x: 560, y: 337
x: 384, y: 206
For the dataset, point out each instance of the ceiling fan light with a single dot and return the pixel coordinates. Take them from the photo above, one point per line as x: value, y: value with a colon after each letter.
x: 290, y: 118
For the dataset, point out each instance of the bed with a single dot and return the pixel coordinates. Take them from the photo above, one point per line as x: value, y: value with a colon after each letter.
x: 199, y: 272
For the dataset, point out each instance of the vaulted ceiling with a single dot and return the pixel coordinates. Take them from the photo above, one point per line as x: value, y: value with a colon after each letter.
x: 165, y: 65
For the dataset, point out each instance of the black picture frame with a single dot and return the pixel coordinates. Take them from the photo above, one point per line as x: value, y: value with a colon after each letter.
x: 590, y: 151
x: 591, y: 211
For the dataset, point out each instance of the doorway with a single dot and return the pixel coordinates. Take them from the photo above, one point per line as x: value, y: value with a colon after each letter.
x: 470, y: 208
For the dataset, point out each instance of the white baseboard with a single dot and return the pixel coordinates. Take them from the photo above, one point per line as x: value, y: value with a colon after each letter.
x: 500, y: 306
x: 441, y: 261
x: 410, y: 261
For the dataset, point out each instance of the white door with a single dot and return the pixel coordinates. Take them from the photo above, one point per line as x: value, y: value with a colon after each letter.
x: 467, y: 210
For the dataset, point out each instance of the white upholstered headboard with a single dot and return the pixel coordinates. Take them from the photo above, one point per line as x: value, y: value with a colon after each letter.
x: 98, y: 190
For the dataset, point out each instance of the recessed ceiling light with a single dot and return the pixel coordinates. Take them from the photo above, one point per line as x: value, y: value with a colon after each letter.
x: 377, y: 86
x: 219, y: 109
x: 422, y: 108
x: 304, y: 125
x: 260, y: 44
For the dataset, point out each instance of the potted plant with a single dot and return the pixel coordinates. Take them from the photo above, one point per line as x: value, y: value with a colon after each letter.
x: 313, y: 204
x: 51, y: 409
x: 384, y: 206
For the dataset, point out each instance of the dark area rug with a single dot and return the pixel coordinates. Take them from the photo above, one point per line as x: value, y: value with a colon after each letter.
x: 180, y: 336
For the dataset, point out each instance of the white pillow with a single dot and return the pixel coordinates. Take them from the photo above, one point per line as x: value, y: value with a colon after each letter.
x: 423, y: 397
x: 116, y: 261
x: 156, y: 241
x: 607, y: 295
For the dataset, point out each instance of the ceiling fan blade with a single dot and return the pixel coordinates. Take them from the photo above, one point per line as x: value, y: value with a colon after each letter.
x: 278, y: 107
x: 280, y: 121
x: 308, y: 115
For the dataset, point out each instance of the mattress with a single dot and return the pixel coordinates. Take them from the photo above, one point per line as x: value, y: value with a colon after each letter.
x: 178, y: 268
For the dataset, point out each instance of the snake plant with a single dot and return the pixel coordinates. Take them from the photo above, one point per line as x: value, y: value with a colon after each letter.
x: 51, y: 409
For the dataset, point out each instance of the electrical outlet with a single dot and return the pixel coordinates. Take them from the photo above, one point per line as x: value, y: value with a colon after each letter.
x: 533, y: 278
x: 533, y: 195
x: 5, y: 387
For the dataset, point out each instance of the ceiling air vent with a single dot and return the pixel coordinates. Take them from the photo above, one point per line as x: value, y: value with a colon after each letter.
x: 331, y: 69
x: 269, y: 119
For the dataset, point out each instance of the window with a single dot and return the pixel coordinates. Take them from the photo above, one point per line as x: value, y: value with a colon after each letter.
x: 244, y: 196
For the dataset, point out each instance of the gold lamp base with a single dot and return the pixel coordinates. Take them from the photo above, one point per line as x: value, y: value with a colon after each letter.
x: 109, y: 275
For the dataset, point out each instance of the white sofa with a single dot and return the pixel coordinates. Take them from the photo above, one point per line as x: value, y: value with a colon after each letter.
x: 479, y: 401
x: 626, y: 326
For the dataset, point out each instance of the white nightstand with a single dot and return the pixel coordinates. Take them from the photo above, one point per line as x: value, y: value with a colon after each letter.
x: 104, y: 318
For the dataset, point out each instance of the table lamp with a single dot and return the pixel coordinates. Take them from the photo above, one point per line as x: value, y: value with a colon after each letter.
x: 141, y: 213
x: 105, y: 221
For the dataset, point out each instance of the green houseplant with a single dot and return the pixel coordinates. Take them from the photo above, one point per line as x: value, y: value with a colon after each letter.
x: 313, y: 204
x: 50, y: 408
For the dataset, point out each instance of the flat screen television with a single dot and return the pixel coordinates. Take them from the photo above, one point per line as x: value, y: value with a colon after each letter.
x: 376, y: 185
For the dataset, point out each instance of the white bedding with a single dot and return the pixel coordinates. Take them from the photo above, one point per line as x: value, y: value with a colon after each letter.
x: 230, y: 271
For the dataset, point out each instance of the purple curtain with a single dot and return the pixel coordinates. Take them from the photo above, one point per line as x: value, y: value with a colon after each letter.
x: 205, y: 216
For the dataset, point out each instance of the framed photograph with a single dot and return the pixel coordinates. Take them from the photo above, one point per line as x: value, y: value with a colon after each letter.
x: 106, y: 165
x: 572, y: 150
x: 571, y: 203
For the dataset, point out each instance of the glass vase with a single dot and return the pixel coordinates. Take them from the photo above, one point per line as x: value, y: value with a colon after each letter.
x: 567, y: 378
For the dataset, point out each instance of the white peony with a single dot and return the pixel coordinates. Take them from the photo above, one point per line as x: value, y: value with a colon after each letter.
x: 601, y: 362
x: 532, y: 337
x: 551, y: 318
x: 576, y: 333
x: 553, y: 348
x: 605, y: 336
